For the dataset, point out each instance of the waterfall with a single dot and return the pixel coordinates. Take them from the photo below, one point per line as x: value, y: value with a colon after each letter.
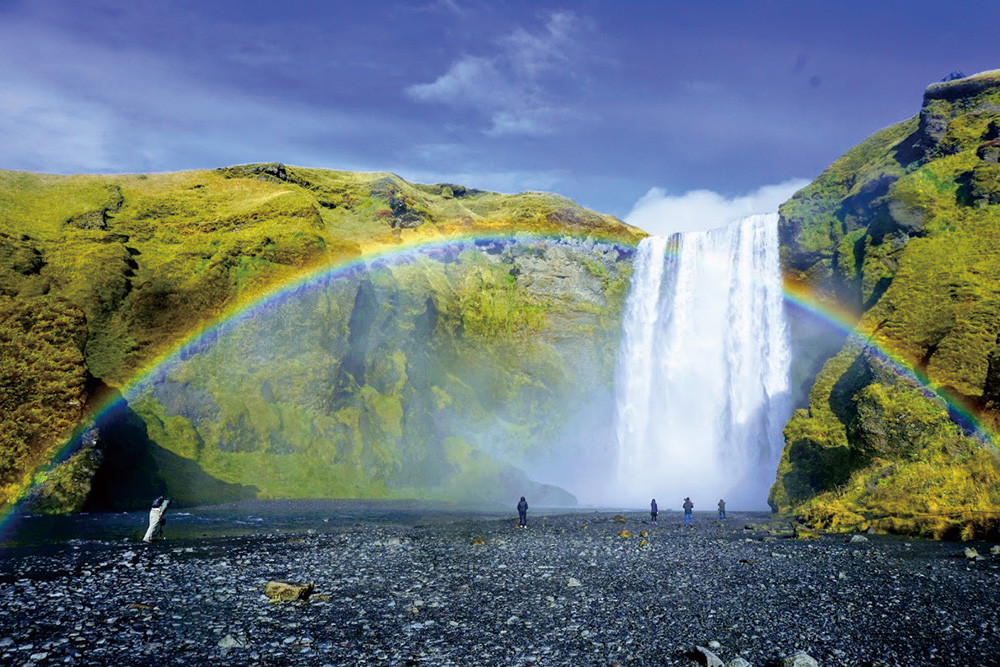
x: 702, y: 376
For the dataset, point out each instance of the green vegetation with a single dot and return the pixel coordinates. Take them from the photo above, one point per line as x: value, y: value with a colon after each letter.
x: 903, y: 229
x: 433, y: 377
x: 42, y: 382
x: 341, y: 397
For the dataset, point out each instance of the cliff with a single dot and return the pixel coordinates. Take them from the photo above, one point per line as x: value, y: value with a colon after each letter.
x: 382, y: 381
x: 901, y: 232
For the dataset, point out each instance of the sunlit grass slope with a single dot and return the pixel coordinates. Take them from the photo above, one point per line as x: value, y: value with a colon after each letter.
x: 100, y: 275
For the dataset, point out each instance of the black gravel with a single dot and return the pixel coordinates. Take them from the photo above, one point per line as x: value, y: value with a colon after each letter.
x: 424, y: 594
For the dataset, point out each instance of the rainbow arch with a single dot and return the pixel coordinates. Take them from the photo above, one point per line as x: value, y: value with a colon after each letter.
x: 385, y: 255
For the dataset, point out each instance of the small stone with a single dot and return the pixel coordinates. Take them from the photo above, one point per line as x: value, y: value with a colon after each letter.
x: 478, y: 541
x: 229, y: 642
x: 971, y: 553
x: 625, y: 533
x: 714, y: 645
x: 855, y: 539
x: 800, y: 659
x: 573, y: 583
x: 287, y: 590
x: 995, y: 550
x: 738, y: 662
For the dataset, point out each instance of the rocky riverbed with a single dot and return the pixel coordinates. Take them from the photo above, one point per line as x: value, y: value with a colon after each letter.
x: 571, y: 589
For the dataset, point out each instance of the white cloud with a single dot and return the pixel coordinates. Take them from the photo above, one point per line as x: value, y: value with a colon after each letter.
x: 472, y: 81
x: 60, y: 133
x: 545, y: 180
x: 662, y: 214
x: 71, y: 106
x: 512, y: 87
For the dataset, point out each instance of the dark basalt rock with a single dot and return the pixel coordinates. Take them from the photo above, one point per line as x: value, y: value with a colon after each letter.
x: 271, y: 171
x: 416, y: 590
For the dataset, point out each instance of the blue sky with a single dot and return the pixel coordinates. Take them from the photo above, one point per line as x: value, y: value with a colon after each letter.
x: 687, y: 104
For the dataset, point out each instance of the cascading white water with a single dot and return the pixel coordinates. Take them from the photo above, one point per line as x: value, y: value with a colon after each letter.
x: 702, y: 382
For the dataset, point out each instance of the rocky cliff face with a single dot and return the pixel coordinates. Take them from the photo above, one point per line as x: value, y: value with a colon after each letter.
x: 902, y: 230
x: 437, y: 376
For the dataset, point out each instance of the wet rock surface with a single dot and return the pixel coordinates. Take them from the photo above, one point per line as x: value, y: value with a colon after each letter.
x: 566, y: 591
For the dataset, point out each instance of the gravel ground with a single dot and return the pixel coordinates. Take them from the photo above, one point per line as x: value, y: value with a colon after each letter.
x: 568, y: 590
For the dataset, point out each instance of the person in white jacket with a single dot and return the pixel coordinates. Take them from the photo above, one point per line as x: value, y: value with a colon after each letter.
x: 156, y: 519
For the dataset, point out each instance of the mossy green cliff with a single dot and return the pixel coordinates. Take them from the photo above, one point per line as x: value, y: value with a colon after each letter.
x: 437, y: 377
x: 903, y: 232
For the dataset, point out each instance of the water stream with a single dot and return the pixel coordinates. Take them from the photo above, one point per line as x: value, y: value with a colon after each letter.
x: 702, y: 381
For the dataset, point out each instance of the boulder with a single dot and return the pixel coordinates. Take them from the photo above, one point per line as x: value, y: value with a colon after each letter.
x: 989, y: 152
x: 800, y: 659
x: 287, y: 591
x: 706, y: 657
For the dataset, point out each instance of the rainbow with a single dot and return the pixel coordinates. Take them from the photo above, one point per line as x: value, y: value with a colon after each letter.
x: 385, y: 255
x: 847, y: 323
x: 374, y: 257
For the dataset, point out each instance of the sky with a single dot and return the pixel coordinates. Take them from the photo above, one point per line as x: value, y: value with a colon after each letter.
x: 669, y: 114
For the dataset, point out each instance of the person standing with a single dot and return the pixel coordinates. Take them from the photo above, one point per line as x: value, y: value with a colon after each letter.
x: 653, y: 511
x: 522, y: 513
x: 688, y: 516
x: 156, y: 519
x: 722, y: 509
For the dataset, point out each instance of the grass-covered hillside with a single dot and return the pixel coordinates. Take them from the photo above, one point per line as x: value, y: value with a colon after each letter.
x: 904, y: 230
x: 101, y: 275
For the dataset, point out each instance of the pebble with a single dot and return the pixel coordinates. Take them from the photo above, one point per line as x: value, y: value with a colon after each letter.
x: 418, y: 593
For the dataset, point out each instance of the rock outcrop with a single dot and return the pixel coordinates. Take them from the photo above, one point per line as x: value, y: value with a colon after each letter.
x: 900, y: 231
x: 436, y: 374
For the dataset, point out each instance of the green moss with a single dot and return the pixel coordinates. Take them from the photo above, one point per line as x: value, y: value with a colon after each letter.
x: 148, y: 260
x: 924, y: 278
x: 42, y: 384
x: 817, y: 217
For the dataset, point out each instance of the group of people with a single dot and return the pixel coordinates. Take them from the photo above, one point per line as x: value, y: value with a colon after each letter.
x: 159, y: 508
x: 688, y: 511
x: 522, y: 512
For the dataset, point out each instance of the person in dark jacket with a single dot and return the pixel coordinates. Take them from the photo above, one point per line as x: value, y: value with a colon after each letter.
x: 522, y: 513
x: 722, y: 509
x: 688, y: 516
x: 652, y: 510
